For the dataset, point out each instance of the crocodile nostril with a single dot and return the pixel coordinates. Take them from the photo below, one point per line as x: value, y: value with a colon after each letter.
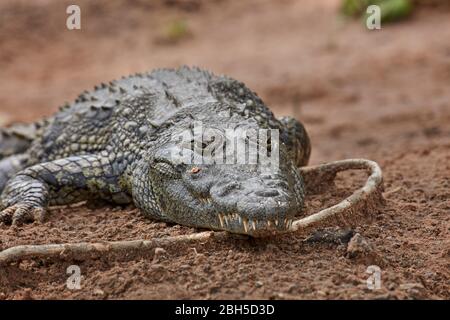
x: 267, y: 193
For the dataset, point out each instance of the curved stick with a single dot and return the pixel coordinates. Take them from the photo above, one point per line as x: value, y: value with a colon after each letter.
x: 361, y: 203
x: 83, y: 249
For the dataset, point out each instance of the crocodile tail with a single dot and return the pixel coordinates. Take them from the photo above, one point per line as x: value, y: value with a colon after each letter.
x: 17, y: 138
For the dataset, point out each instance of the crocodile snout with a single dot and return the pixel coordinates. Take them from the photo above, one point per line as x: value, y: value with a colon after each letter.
x: 253, y: 205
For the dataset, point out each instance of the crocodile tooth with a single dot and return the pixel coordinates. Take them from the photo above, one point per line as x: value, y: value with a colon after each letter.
x: 221, y: 220
x: 285, y: 222
x: 245, y: 225
x: 225, y: 217
x: 240, y: 219
x: 276, y: 222
x: 253, y: 224
x: 269, y: 223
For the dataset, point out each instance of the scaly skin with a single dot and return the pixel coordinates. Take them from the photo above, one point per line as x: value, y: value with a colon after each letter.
x: 115, y: 143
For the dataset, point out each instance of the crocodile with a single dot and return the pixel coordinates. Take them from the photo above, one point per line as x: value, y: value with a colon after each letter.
x: 115, y: 143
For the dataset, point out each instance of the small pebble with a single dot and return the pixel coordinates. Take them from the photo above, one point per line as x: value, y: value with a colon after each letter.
x: 159, y: 252
x: 99, y: 292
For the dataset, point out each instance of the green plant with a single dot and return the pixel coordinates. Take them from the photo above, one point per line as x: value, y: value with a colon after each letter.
x: 391, y: 10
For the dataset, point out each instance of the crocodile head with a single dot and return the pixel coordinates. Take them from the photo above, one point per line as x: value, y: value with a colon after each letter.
x: 240, y: 196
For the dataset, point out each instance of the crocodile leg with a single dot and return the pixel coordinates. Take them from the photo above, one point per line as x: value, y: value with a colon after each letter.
x: 9, y: 166
x: 59, y: 182
x: 297, y: 139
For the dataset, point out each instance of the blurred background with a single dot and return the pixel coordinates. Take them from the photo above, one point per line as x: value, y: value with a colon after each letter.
x: 378, y: 94
x: 305, y: 58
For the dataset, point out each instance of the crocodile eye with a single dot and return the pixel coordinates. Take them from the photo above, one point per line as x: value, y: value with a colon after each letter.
x: 195, y: 170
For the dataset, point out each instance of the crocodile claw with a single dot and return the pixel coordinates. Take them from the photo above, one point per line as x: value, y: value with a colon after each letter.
x: 17, y: 214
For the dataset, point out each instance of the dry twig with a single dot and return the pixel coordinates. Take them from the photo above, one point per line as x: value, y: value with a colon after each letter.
x: 360, y: 204
x: 85, y: 249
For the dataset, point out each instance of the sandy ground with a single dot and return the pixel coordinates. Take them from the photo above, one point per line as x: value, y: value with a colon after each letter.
x: 382, y: 95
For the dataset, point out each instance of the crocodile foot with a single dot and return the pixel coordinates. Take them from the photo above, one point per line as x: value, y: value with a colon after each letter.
x: 22, y: 212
